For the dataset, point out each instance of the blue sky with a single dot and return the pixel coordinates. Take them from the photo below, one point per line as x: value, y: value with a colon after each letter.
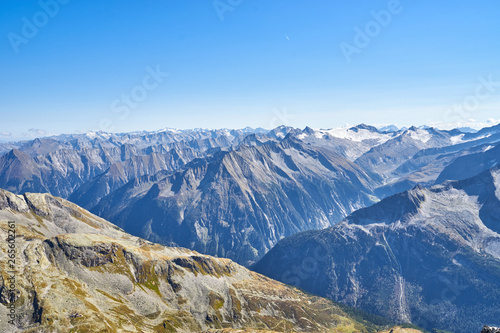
x: 87, y: 64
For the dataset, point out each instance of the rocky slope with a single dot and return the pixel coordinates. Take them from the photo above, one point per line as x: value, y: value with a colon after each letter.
x: 76, y: 272
x: 429, y: 256
x: 468, y: 165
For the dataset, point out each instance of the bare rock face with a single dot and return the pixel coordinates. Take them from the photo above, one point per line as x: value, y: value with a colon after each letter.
x: 77, y: 272
x: 487, y: 329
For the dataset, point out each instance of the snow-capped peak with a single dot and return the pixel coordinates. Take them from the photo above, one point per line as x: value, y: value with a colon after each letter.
x: 358, y: 134
x: 419, y: 134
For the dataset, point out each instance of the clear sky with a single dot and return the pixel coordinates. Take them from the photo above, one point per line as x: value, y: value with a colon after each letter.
x: 73, y: 66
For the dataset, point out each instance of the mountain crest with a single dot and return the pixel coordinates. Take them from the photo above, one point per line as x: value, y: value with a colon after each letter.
x: 81, y: 273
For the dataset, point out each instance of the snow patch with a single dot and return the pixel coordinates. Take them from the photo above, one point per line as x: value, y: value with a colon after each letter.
x: 482, y: 137
x: 493, y: 248
x: 166, y: 129
x: 91, y: 135
x: 456, y: 139
x: 420, y: 135
x: 318, y: 135
x: 302, y: 136
x: 358, y: 136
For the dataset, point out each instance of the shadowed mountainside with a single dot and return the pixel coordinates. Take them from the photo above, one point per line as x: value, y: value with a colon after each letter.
x: 429, y: 256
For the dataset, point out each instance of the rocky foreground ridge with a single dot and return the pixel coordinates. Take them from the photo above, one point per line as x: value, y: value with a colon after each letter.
x: 76, y: 272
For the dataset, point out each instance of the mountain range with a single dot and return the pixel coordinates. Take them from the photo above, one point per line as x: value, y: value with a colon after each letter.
x: 236, y: 193
x: 401, y: 223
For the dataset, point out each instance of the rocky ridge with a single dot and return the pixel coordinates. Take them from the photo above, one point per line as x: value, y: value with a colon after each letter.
x: 488, y: 329
x: 77, y: 272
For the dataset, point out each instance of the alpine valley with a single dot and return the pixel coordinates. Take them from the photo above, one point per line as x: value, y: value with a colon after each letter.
x: 400, y: 223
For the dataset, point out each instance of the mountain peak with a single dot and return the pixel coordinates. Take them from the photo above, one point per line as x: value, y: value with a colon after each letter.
x: 16, y: 153
x: 308, y: 130
x: 365, y: 127
x: 388, y: 128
